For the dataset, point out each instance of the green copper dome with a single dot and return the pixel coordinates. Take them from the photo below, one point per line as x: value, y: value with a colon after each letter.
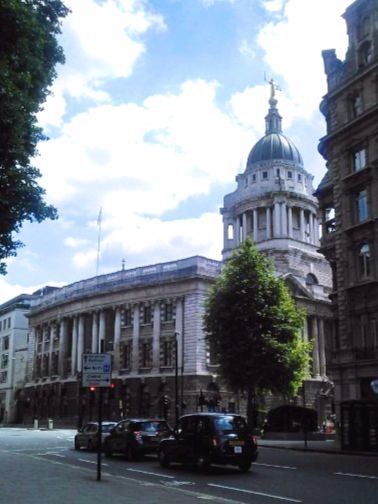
x: 274, y: 145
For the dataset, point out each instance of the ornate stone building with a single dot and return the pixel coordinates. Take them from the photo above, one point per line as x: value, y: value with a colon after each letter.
x: 149, y: 319
x: 349, y: 205
x: 274, y: 205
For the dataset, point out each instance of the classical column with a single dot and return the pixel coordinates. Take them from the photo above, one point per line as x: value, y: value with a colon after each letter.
x: 80, y: 342
x: 74, y: 346
x: 316, y: 229
x: 311, y: 227
x: 284, y: 219
x: 136, y: 324
x: 302, y: 224
x: 117, y: 337
x: 62, y: 347
x: 102, y: 332
x: 268, y: 222
x: 290, y: 221
x: 52, y: 329
x: 255, y: 225
x: 94, y: 346
x: 315, y: 348
x: 322, y: 355
x: 179, y: 330
x: 276, y: 220
x: 244, y: 226
x: 237, y: 231
x: 155, y: 338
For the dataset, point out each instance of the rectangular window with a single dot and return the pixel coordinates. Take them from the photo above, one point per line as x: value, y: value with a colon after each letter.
x: 146, y: 354
x: 168, y: 312
x: 364, y: 261
x: 126, y: 356
x: 3, y: 376
x: 126, y: 317
x: 167, y: 353
x: 362, y: 211
x: 265, y: 175
x: 289, y: 174
x: 4, y: 361
x: 359, y: 159
x: 147, y: 314
x: 6, y: 343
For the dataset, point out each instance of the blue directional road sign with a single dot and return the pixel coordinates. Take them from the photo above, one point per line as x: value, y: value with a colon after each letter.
x: 96, y: 370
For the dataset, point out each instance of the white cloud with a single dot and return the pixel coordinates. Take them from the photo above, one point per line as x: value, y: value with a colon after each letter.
x: 273, y: 5
x: 293, y: 47
x: 102, y: 41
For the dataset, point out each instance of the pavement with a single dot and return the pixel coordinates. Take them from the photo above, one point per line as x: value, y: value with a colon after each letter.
x: 330, y: 445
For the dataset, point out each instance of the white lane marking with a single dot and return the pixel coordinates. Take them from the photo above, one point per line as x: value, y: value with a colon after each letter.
x: 254, y: 493
x: 151, y: 473
x: 92, y: 462
x: 274, y: 465
x: 356, y: 475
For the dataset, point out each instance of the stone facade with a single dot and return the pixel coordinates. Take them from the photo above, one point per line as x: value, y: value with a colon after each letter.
x: 138, y: 316
x: 274, y: 205
x: 349, y: 204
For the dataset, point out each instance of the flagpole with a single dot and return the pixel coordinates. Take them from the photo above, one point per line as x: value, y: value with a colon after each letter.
x: 99, y: 219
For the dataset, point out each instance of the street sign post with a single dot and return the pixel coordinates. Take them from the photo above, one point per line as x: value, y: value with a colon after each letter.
x: 97, y: 372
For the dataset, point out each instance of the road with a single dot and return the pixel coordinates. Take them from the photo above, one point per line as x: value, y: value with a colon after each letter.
x: 278, y: 476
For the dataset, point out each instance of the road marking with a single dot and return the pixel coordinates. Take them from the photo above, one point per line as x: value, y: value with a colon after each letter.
x: 274, y: 465
x: 151, y: 473
x: 177, y: 483
x: 356, y: 475
x: 92, y: 462
x: 254, y: 493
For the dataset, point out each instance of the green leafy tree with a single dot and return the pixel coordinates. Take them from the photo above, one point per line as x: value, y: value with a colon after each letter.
x: 29, y: 52
x: 254, y: 328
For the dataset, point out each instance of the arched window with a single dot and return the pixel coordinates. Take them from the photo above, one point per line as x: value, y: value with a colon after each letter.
x: 364, y: 260
x: 311, y: 279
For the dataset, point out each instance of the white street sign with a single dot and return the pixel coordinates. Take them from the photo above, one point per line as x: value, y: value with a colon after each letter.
x: 96, y: 370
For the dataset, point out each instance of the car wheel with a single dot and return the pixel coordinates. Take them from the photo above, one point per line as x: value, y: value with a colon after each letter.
x: 107, y: 450
x: 77, y: 444
x: 245, y: 466
x: 163, y: 458
x: 202, y: 462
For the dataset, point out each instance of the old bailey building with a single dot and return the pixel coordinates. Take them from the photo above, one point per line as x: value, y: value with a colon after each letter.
x: 150, y: 318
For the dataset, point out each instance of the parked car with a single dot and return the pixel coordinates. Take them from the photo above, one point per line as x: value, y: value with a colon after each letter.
x: 87, y: 436
x: 135, y: 437
x: 210, y: 438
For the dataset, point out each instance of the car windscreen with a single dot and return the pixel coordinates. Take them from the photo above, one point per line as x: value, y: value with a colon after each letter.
x: 107, y: 427
x: 153, y: 426
x: 228, y: 424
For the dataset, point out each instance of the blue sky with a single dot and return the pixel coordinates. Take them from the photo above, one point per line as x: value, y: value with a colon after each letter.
x: 152, y: 117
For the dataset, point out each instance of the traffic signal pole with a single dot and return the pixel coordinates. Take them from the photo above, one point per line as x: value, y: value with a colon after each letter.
x: 99, y: 439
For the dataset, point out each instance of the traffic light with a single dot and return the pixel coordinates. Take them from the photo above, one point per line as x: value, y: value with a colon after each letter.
x: 92, y: 394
